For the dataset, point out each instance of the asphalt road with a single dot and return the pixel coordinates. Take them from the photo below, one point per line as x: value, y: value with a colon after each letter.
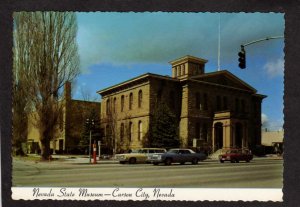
x: 260, y: 173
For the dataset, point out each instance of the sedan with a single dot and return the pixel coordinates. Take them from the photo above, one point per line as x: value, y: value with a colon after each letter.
x: 177, y: 156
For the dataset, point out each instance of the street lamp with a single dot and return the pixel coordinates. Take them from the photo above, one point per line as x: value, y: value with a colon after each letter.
x: 90, y: 124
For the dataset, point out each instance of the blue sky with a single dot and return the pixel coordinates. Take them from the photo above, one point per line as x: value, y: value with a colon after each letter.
x: 114, y: 47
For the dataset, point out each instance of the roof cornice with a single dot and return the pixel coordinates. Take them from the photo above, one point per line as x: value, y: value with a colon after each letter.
x: 138, y: 78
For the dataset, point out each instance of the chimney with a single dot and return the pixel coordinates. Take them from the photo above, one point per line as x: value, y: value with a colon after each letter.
x: 67, y: 90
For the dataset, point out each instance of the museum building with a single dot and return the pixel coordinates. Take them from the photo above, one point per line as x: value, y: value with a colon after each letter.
x: 215, y: 110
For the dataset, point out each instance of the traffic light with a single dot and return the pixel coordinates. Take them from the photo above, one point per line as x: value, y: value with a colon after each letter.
x: 242, y: 58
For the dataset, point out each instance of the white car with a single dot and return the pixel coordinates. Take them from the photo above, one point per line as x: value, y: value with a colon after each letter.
x: 138, y: 155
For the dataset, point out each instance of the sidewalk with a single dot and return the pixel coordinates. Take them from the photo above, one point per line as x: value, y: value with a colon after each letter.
x: 76, y: 159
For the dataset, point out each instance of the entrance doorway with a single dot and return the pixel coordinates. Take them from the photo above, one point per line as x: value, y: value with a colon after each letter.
x: 61, y: 145
x: 238, y: 135
x: 219, y: 135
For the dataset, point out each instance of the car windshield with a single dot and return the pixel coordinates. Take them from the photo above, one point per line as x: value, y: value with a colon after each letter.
x: 231, y: 151
x: 173, y: 151
x: 160, y: 151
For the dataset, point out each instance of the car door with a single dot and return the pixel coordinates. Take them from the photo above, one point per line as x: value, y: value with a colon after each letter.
x: 185, y: 156
x: 189, y: 156
x: 142, y: 157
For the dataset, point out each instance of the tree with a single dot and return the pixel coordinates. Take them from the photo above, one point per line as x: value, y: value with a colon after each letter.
x: 21, y: 66
x: 96, y: 133
x: 53, y: 56
x: 111, y: 128
x: 164, y: 128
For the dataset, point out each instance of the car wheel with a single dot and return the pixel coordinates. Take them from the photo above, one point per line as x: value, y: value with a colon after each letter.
x: 221, y: 161
x: 168, y: 161
x: 247, y: 160
x: 237, y: 161
x: 195, y: 161
x: 132, y: 160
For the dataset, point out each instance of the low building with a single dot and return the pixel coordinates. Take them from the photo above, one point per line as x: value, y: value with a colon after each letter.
x: 273, y: 141
x: 217, y: 109
x: 70, y: 127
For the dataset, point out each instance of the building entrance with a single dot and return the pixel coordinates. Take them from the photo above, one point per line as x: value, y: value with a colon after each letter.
x: 218, y: 135
x: 238, y: 135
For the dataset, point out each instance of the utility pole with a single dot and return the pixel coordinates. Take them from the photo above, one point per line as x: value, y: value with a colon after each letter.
x: 242, y: 53
x: 90, y: 124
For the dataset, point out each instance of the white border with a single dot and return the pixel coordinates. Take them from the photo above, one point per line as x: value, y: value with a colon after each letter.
x: 151, y: 194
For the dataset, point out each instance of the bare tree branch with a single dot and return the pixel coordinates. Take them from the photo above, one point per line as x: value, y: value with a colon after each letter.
x: 52, y: 58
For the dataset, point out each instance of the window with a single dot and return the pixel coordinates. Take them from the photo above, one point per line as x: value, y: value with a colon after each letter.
x: 219, y: 103
x: 205, y: 101
x: 107, y: 131
x: 197, y: 130
x: 237, y: 105
x: 197, y: 100
x: 204, y: 132
x: 107, y: 106
x: 115, y: 101
x: 130, y: 101
x: 140, y: 100
x: 140, y: 130
x: 130, y: 132
x: 122, y: 103
x: 243, y: 105
x: 122, y: 132
x: 225, y: 105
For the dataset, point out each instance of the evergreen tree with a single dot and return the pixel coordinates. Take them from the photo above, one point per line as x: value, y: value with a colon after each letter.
x: 164, y: 128
x: 94, y: 126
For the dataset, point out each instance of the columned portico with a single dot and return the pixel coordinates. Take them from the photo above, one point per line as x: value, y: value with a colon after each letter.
x: 228, y: 132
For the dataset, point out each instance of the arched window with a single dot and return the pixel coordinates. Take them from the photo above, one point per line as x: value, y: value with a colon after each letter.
x: 219, y: 104
x: 115, y: 104
x: 107, y: 131
x: 204, y: 132
x: 130, y: 101
x: 107, y: 106
x: 122, y: 103
x: 225, y: 103
x: 140, y: 100
x: 140, y: 130
x: 122, y: 132
x: 197, y: 130
x: 237, y: 105
x: 205, y: 101
x: 130, y: 132
x: 197, y: 97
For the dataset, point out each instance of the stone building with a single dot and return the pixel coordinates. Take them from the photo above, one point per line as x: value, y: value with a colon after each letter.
x: 215, y: 110
x: 70, y: 127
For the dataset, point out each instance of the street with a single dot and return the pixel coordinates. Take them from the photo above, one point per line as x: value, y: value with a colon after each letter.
x: 259, y: 173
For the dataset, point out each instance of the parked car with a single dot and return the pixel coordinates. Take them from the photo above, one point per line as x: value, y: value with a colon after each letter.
x: 236, y: 155
x: 138, y: 155
x: 177, y: 156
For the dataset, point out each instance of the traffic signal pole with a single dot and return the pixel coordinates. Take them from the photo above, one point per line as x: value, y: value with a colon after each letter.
x: 242, y: 53
x: 260, y: 40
